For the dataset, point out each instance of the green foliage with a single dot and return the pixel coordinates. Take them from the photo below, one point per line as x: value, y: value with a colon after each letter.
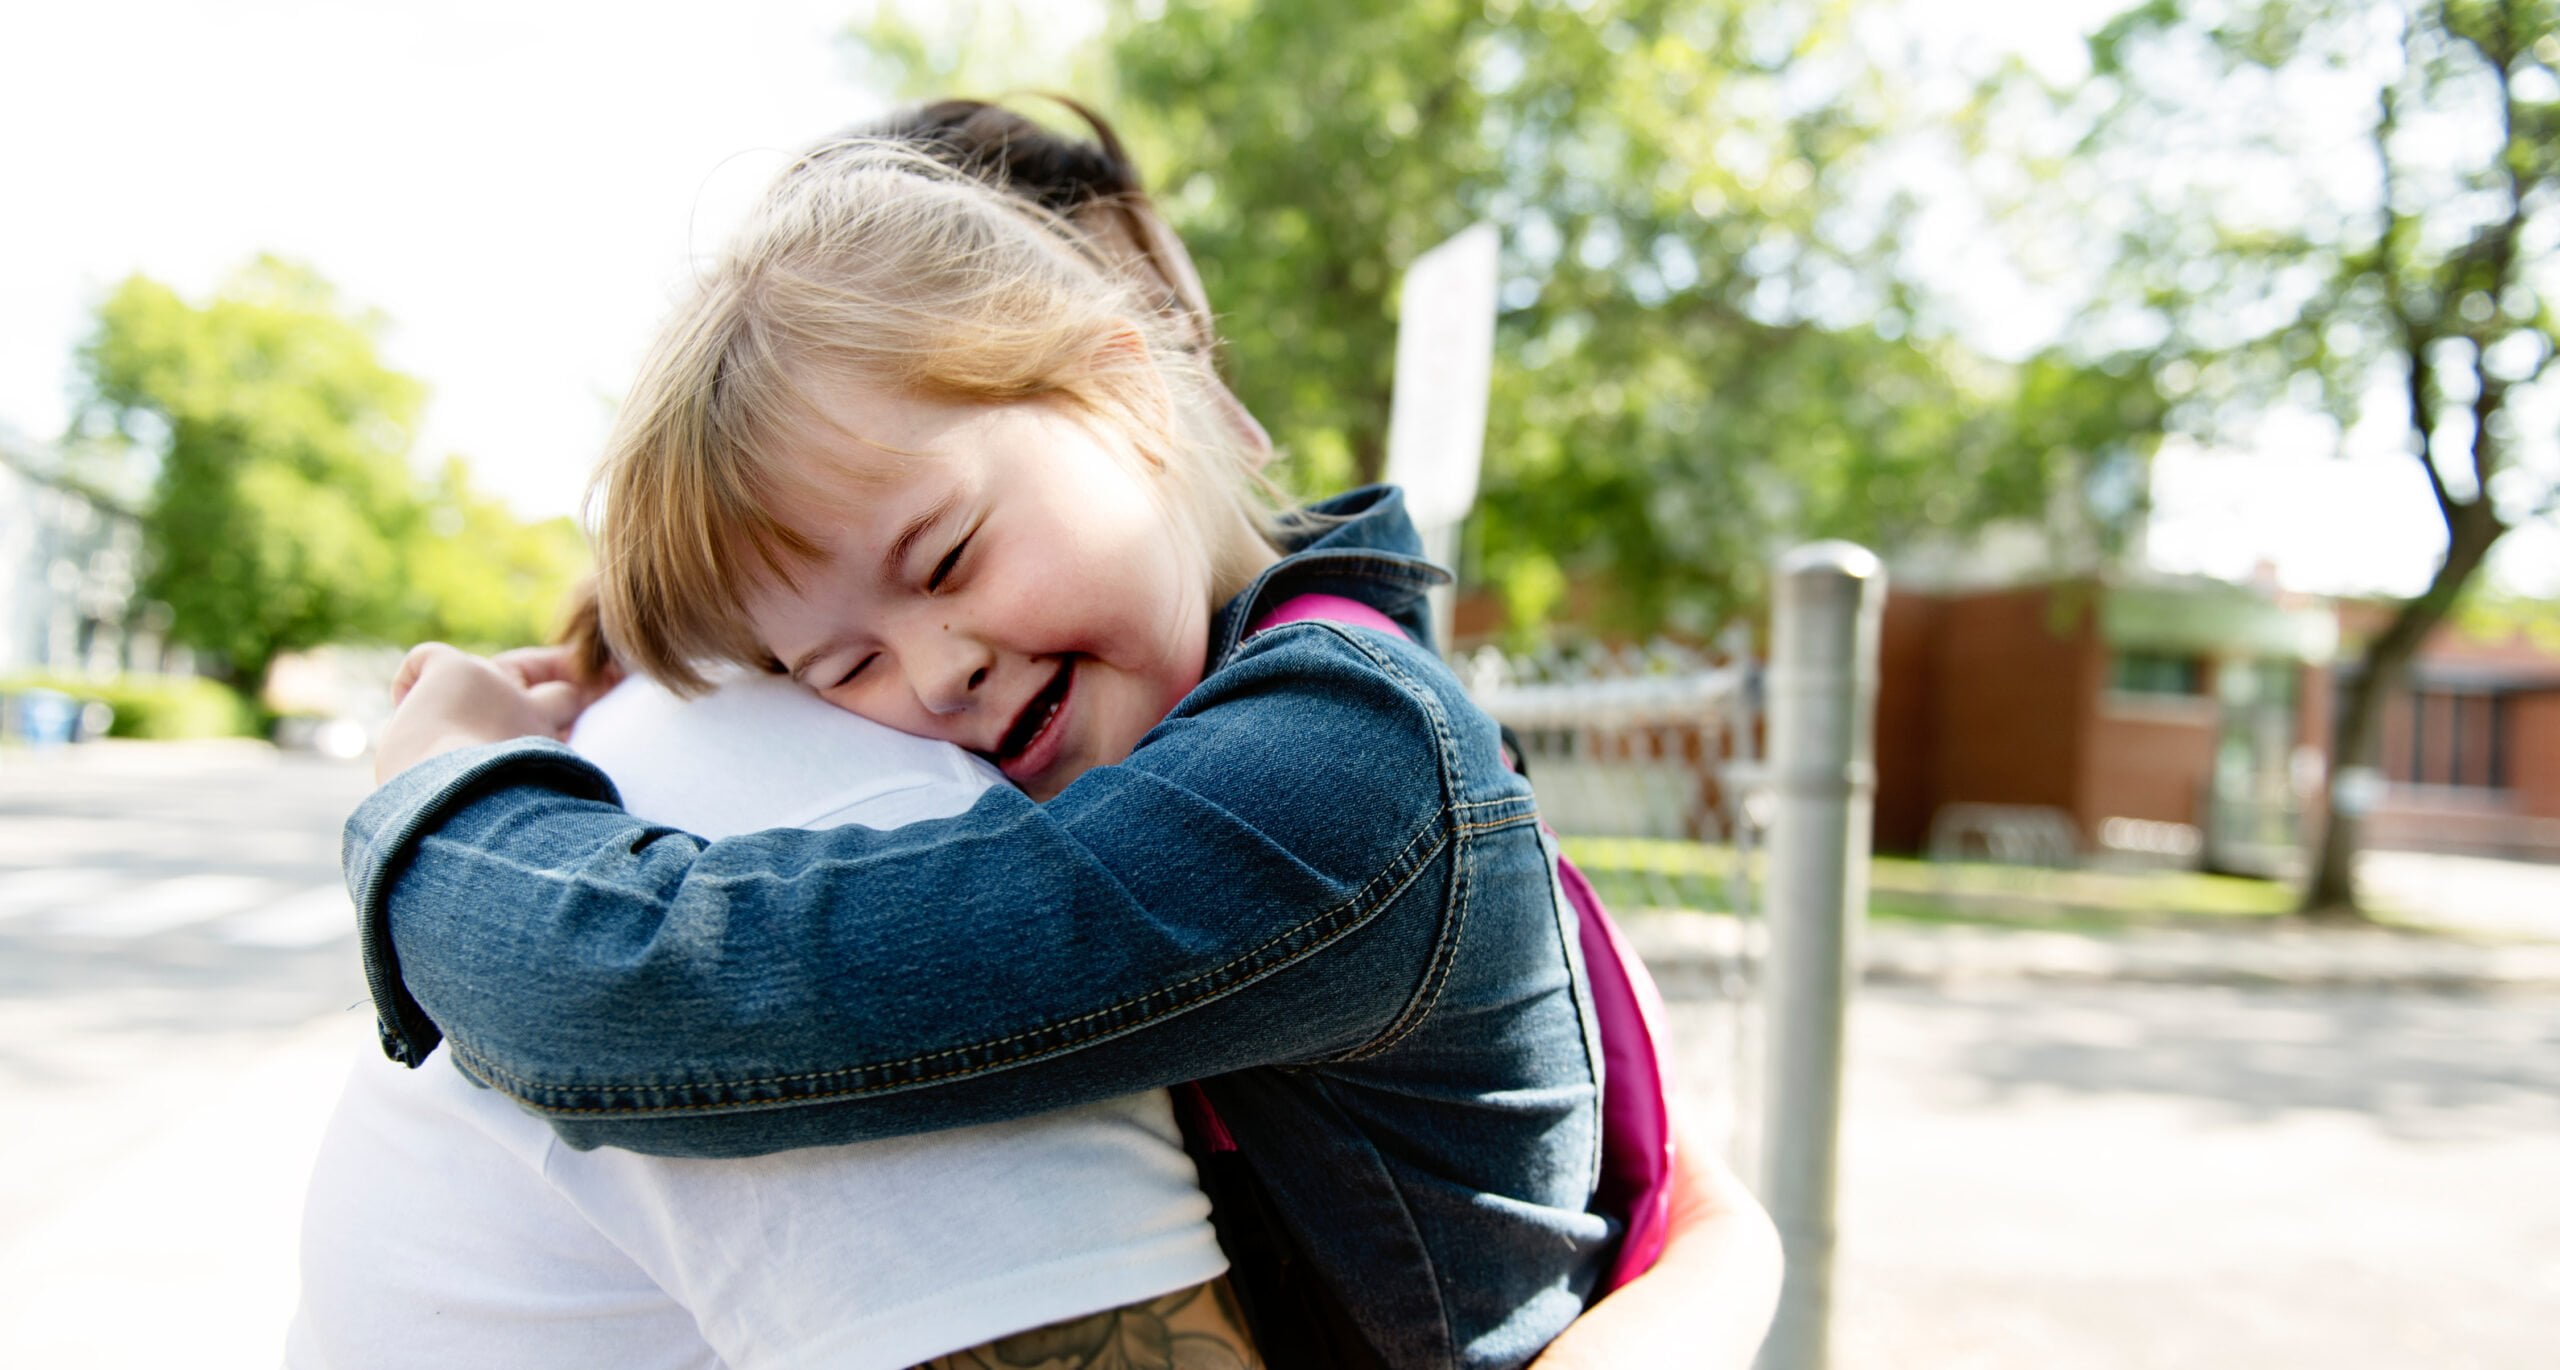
x: 283, y: 487
x: 2257, y: 276
x: 1636, y: 874
x: 1711, y: 341
x: 983, y: 48
x: 282, y: 512
x: 2494, y: 615
x: 481, y: 579
x: 154, y: 707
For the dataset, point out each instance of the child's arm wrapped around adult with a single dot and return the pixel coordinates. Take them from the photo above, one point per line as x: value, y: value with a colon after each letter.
x: 1266, y: 880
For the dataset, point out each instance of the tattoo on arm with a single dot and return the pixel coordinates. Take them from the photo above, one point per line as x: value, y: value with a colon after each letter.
x: 1199, y: 1328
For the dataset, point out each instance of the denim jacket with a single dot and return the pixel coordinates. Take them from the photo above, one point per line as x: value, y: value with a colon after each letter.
x: 1315, y: 886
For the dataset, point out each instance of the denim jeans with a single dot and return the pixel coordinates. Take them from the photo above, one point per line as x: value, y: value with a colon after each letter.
x: 1315, y: 887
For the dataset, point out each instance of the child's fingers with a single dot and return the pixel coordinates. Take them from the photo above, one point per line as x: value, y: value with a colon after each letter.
x: 412, y: 666
x: 449, y: 698
x: 535, y: 666
x: 559, y: 702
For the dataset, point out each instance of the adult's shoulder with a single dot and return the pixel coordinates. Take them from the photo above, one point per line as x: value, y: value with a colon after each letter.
x: 758, y: 752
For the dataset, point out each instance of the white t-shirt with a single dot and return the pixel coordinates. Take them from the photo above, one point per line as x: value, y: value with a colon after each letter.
x: 445, y: 1227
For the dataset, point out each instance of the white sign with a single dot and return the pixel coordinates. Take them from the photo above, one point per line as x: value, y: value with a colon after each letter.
x: 1444, y: 371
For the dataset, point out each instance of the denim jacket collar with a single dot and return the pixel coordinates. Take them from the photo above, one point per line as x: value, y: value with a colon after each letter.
x: 1360, y: 545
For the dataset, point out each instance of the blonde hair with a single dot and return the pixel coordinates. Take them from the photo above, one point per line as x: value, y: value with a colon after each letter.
x: 868, y: 260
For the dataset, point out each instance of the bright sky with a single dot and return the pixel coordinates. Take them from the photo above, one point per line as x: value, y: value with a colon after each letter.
x: 519, y: 188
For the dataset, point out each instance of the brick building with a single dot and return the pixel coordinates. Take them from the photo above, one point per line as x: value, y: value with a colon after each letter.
x: 2191, y: 718
x: 2471, y: 750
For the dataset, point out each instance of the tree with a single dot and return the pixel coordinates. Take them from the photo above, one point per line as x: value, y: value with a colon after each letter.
x: 480, y: 577
x: 1711, y: 339
x: 2419, y: 295
x: 282, y: 491
x: 282, y: 513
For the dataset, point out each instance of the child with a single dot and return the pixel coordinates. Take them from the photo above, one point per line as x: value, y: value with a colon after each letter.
x: 443, y: 1226
x: 911, y: 448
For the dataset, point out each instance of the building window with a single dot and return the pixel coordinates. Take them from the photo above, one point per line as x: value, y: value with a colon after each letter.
x: 2157, y: 673
x: 2453, y: 738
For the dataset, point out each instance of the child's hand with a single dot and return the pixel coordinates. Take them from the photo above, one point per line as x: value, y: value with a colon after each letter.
x: 445, y: 699
x: 536, y: 667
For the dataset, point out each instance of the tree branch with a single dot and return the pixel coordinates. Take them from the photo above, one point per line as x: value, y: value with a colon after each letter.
x: 2420, y: 368
x: 2550, y: 505
x: 2491, y: 394
x: 2415, y: 336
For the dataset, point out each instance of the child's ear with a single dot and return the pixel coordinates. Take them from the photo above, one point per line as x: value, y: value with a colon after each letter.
x: 1126, y: 368
x: 1123, y: 348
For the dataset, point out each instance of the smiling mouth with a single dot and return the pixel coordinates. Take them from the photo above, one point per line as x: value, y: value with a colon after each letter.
x: 1037, y: 715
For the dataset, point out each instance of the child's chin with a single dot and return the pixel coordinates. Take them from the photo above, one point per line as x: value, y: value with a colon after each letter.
x: 1048, y: 787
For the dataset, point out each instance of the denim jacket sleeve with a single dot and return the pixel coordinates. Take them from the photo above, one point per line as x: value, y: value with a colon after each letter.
x: 1264, y: 881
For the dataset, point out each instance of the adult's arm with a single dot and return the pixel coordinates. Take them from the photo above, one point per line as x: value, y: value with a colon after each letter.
x: 1263, y: 881
x: 1706, y: 1304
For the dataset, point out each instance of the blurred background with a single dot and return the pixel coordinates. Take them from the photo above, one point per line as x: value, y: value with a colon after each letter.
x: 2189, y: 364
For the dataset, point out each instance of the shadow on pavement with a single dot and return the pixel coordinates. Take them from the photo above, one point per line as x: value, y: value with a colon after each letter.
x: 2425, y: 1067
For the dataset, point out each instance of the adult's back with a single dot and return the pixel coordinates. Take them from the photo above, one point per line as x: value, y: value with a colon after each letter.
x: 445, y: 1226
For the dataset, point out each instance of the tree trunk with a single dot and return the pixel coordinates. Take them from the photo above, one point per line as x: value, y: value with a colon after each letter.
x: 1369, y: 454
x: 2331, y: 893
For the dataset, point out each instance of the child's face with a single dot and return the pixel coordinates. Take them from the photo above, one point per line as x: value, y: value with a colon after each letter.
x: 1014, y: 585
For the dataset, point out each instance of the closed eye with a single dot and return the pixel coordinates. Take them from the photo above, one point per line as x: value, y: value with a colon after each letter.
x: 950, y: 562
x: 857, y: 670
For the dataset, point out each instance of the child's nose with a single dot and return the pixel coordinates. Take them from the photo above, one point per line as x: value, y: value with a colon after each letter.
x: 952, y: 668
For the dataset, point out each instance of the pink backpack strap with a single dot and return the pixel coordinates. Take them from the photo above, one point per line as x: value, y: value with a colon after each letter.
x: 1636, y: 1155
x: 1636, y: 1147
x: 1333, y: 608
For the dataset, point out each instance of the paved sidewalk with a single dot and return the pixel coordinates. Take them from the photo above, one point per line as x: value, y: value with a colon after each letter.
x: 2475, y: 895
x: 2041, y: 1175
x: 1684, y: 946
x: 181, y: 1250
x: 2291, y: 955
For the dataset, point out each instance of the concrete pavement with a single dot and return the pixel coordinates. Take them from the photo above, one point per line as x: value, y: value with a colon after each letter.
x: 2035, y: 1174
x: 2051, y: 1160
x: 180, y: 1249
x: 1689, y: 946
x: 2139, y: 1177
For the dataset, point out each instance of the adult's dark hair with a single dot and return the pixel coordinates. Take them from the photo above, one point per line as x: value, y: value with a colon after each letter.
x: 1065, y: 175
x: 1008, y: 148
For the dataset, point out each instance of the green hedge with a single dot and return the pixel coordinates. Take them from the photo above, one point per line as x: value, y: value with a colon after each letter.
x: 163, y: 708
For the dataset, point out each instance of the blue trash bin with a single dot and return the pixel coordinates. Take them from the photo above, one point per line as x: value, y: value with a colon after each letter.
x: 47, y: 718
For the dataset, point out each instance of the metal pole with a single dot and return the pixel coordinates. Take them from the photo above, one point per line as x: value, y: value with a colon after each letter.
x: 1821, y: 777
x: 1440, y: 546
x: 1741, y: 982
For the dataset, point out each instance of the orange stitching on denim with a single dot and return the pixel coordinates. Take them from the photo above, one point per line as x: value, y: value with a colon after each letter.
x: 1443, y: 967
